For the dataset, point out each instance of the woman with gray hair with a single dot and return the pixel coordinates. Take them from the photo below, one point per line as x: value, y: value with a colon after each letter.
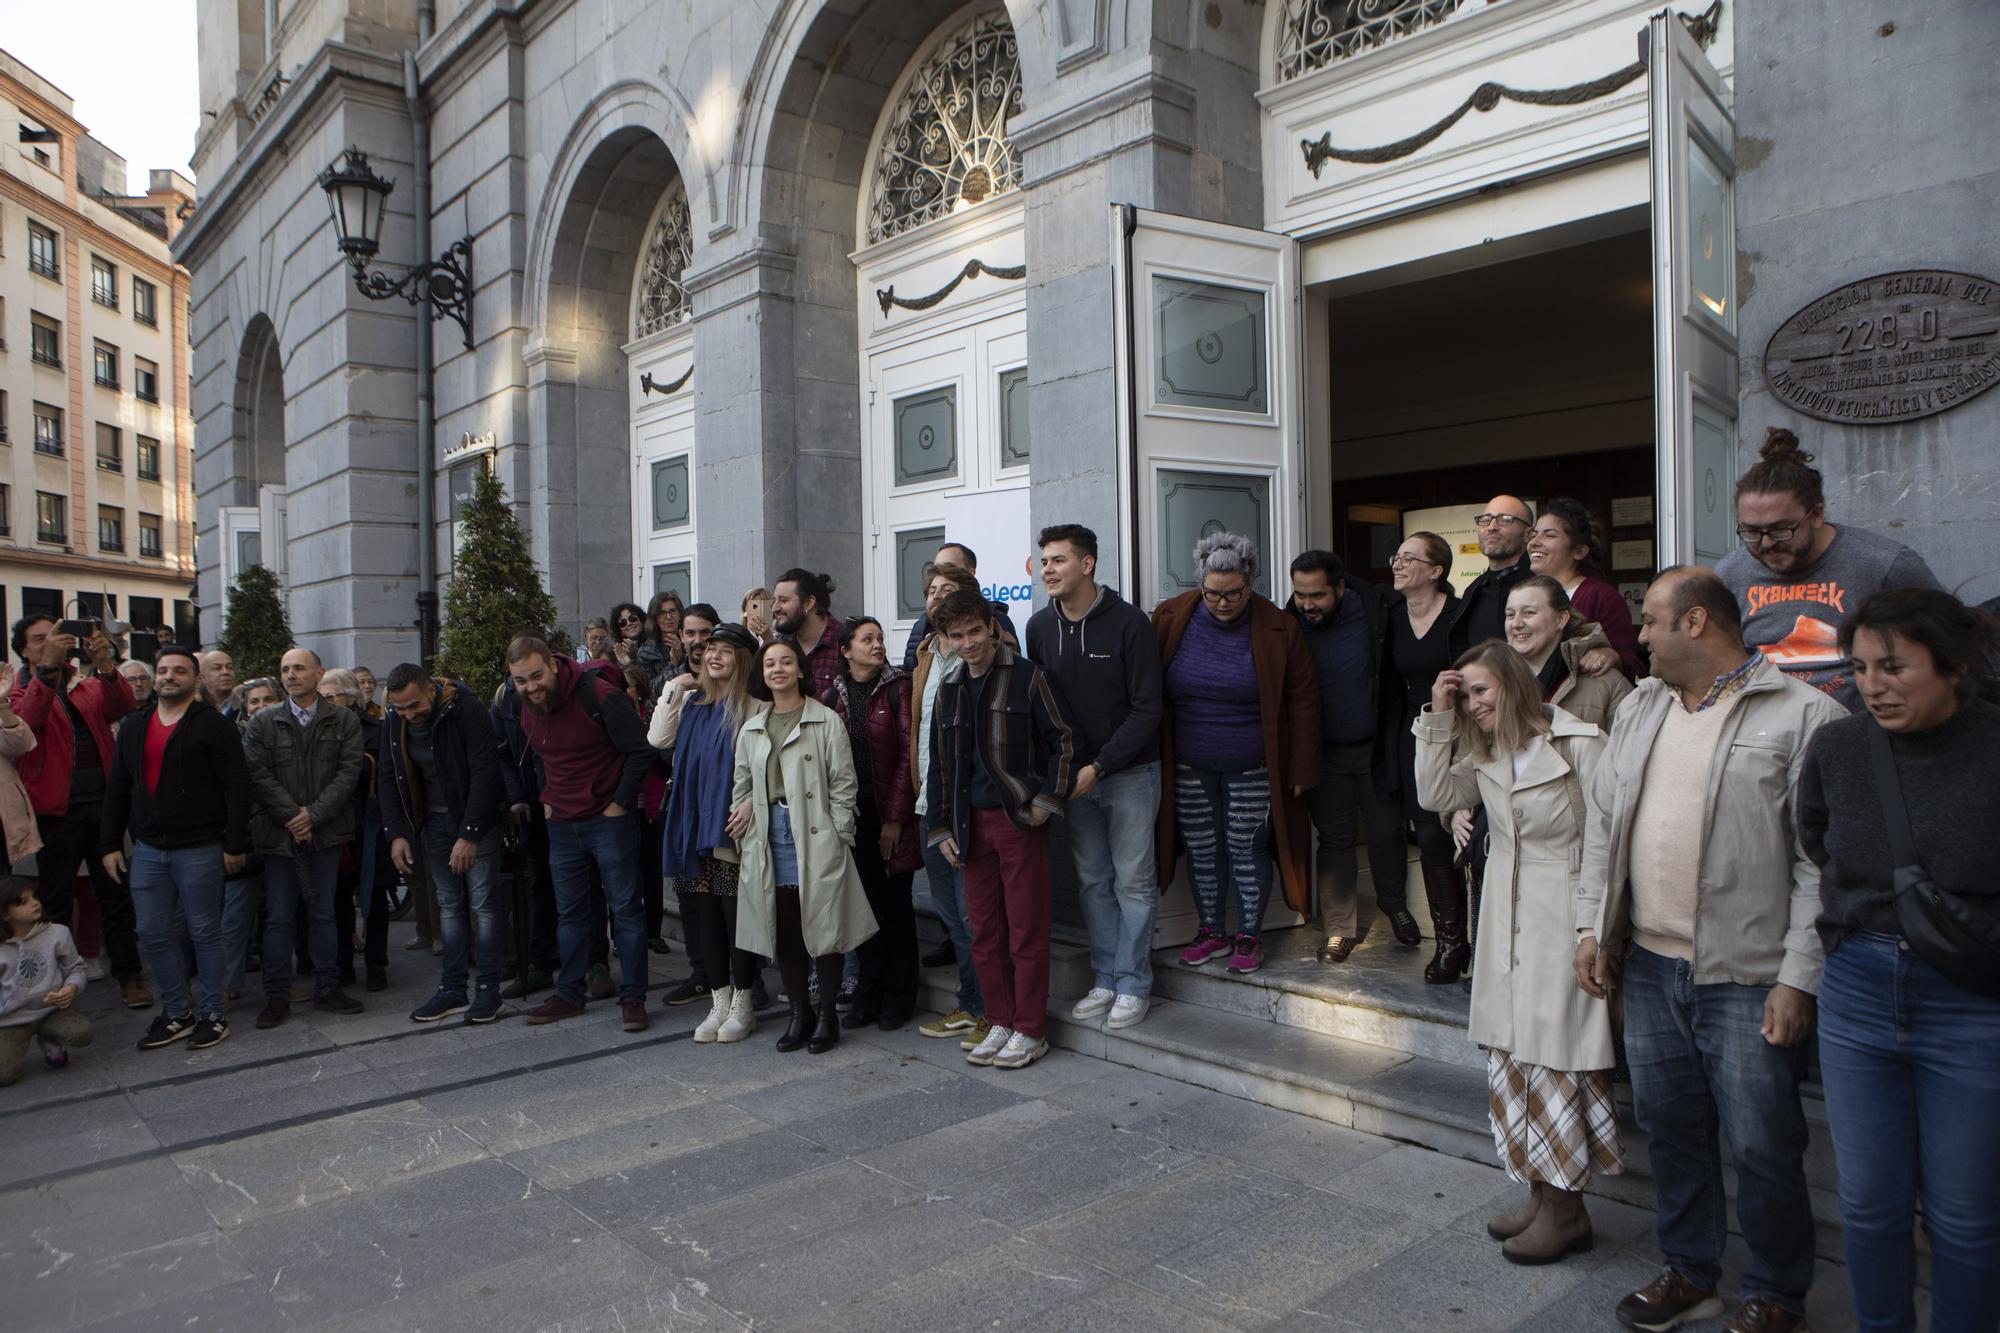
x: 1241, y: 737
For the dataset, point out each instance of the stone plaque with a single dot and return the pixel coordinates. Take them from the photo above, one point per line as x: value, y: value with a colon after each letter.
x: 1890, y: 348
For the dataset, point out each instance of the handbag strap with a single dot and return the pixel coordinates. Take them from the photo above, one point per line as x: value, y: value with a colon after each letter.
x: 1895, y: 814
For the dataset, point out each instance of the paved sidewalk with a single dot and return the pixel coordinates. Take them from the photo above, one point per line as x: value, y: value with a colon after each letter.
x: 368, y: 1173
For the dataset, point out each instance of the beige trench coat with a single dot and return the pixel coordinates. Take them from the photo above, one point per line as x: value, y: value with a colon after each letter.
x: 821, y: 788
x: 1525, y: 999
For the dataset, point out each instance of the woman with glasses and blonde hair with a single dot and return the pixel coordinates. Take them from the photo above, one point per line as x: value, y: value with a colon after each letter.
x: 1241, y: 737
x: 1486, y: 736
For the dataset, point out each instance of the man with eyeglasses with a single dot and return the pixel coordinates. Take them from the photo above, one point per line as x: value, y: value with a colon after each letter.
x: 1503, y: 540
x: 1797, y: 577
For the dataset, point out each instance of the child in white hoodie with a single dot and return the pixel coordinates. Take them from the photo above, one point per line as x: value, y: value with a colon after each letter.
x: 41, y: 976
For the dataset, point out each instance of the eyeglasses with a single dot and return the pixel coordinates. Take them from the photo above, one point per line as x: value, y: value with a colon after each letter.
x: 1777, y: 534
x: 1494, y: 520
x: 630, y: 620
x: 1400, y: 561
x: 1229, y: 597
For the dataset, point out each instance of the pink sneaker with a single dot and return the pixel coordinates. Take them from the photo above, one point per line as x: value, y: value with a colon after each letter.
x: 1249, y: 955
x: 1207, y: 944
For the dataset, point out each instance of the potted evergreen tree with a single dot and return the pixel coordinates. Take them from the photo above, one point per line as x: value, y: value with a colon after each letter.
x: 255, y: 632
x: 495, y: 593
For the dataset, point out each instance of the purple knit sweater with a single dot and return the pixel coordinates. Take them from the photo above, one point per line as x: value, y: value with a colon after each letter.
x: 1212, y: 685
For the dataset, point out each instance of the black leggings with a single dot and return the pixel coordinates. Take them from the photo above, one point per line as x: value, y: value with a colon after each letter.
x: 715, y: 921
x: 792, y: 956
x: 889, y: 977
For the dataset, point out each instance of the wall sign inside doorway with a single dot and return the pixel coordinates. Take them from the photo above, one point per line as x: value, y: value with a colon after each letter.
x: 1895, y: 347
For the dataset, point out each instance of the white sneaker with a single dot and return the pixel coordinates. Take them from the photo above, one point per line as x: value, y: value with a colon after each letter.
x: 1021, y: 1051
x: 742, y: 1020
x: 718, y: 1009
x: 1093, y: 1006
x: 93, y: 968
x: 996, y: 1041
x: 1127, y: 1010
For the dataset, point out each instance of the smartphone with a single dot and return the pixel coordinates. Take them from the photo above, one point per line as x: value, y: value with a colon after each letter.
x: 80, y: 629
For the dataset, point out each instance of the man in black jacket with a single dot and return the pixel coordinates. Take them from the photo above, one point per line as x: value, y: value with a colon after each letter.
x: 1344, y: 622
x: 1503, y: 540
x: 179, y: 785
x: 1105, y: 658
x: 441, y: 783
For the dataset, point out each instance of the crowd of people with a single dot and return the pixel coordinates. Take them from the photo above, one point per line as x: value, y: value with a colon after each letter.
x: 1693, y: 840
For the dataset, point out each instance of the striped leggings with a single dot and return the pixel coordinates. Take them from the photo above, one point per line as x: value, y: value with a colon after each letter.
x: 1226, y: 815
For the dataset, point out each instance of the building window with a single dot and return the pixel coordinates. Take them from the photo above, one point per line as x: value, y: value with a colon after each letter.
x: 3, y: 416
x: 110, y: 448
x: 148, y: 452
x: 1312, y: 34
x: 145, y: 302
x: 148, y: 614
x: 51, y: 517
x: 149, y: 536
x: 104, y: 282
x: 104, y: 365
x: 946, y: 144
x: 145, y: 380
x: 110, y: 528
x: 45, y: 336
x: 6, y: 510
x: 42, y: 252
x: 48, y: 429
x: 43, y: 603
x: 663, y: 301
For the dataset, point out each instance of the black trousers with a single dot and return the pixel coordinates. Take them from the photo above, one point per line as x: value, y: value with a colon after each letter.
x: 793, y: 960
x: 531, y: 900
x: 652, y: 874
x: 69, y: 842
x: 889, y: 974
x: 716, y: 960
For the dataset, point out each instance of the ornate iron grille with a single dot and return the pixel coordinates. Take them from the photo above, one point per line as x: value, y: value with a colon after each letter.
x: 946, y: 144
x: 663, y: 300
x: 1315, y: 33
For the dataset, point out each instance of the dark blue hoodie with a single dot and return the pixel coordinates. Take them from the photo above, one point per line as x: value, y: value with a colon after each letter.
x: 1107, y: 666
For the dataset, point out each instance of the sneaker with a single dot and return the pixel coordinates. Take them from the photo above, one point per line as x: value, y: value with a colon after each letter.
x: 93, y: 968
x: 686, y: 993
x: 441, y: 1005
x: 166, y: 1030
x: 975, y: 1036
x: 1020, y: 1051
x: 599, y: 985
x: 209, y: 1030
x: 1094, y: 1005
x: 951, y: 1025
x: 485, y: 1007
x: 337, y: 1001
x: 1336, y: 949
x: 521, y: 987
x: 849, y: 986
x: 994, y: 1042
x: 1127, y: 1010
x: 418, y: 945
x: 1207, y: 944
x: 136, y: 995
x: 1248, y: 955
x: 553, y: 1009
x: 658, y: 945
x: 55, y: 1055
x: 1668, y: 1301
x: 632, y: 1013
x: 1757, y: 1315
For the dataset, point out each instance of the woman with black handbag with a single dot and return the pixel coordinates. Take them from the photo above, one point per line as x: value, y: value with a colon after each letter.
x: 1896, y: 806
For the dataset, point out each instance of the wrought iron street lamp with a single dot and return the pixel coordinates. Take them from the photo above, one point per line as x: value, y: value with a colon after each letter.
x: 358, y: 199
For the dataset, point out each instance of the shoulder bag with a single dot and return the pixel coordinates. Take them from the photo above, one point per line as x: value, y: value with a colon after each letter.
x: 1959, y: 938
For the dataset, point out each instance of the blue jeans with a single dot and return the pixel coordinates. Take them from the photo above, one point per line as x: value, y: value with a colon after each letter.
x: 309, y: 876
x: 1911, y: 1064
x: 612, y: 845
x: 1111, y: 836
x: 948, y: 896
x: 481, y: 886
x: 1226, y: 815
x: 1699, y: 1060
x: 784, y: 852
x: 172, y: 887
x: 241, y: 897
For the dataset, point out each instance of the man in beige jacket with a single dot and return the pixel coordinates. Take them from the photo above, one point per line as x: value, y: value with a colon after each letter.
x: 1694, y: 876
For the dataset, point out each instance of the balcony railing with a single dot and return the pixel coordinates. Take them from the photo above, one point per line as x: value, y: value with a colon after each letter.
x: 48, y: 268
x: 44, y: 357
x: 109, y: 300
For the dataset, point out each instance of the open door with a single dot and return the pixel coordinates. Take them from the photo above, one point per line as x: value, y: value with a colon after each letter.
x: 1693, y: 152
x: 1210, y: 426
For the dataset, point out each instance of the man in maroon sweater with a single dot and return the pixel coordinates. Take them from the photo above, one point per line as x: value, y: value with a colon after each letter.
x: 65, y: 777
x: 593, y: 754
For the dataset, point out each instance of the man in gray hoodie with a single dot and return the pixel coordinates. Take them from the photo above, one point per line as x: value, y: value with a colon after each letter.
x: 41, y: 976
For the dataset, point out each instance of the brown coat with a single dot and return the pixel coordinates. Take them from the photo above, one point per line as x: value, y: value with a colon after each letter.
x: 1288, y: 699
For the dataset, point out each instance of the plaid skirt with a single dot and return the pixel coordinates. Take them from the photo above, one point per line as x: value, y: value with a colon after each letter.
x: 717, y: 877
x: 1552, y: 1125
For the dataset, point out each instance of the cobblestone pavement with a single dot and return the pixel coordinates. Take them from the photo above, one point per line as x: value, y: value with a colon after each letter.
x: 367, y: 1173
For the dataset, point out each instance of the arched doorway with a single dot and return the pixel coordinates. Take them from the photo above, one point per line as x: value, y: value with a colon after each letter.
x: 661, y: 360
x: 943, y: 317
x: 250, y: 521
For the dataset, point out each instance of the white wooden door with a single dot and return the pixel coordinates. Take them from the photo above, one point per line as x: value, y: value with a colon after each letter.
x: 663, y: 478
x: 1693, y: 159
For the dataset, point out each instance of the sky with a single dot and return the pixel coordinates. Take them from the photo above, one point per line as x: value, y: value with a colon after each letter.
x: 129, y: 65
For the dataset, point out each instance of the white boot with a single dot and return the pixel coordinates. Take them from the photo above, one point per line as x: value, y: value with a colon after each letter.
x: 742, y: 1020
x: 718, y: 1009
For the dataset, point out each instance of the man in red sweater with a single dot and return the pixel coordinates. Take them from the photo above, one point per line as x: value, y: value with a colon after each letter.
x: 592, y: 751
x: 65, y: 777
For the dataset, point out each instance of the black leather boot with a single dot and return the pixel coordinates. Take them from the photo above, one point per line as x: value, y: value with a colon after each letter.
x: 1445, y: 891
x: 800, y: 1030
x: 827, y: 1035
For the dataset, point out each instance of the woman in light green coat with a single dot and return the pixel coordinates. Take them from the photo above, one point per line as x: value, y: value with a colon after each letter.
x: 799, y: 896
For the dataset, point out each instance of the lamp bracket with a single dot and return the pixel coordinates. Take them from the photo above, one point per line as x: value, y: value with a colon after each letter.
x: 444, y: 284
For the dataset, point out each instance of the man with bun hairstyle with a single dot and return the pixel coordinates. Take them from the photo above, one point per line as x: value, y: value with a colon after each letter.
x: 1797, y: 577
x: 802, y: 610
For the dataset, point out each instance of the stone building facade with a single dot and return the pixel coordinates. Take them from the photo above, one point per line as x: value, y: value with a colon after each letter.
x: 771, y: 282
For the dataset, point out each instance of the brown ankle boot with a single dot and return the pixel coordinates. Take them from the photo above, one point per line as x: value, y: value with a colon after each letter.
x: 1561, y: 1227
x: 1506, y: 1226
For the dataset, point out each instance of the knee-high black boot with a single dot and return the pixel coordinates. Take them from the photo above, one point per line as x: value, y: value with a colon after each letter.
x: 1444, y: 887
